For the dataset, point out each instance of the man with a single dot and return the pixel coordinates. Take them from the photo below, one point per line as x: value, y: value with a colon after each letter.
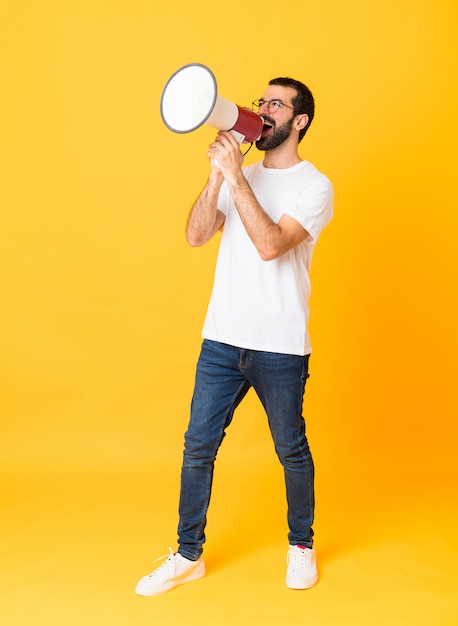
x: 256, y: 328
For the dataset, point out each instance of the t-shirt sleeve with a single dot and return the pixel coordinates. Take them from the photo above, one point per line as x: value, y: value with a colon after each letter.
x: 313, y: 207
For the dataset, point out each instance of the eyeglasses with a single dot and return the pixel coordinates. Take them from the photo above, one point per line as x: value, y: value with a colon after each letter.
x: 272, y: 105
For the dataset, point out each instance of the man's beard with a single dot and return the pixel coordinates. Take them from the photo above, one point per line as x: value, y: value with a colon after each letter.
x: 276, y: 137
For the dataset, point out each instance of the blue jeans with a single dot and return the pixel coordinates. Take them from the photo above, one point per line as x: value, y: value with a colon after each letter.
x: 223, y: 377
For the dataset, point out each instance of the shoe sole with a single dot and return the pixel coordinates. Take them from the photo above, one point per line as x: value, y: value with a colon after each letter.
x: 308, y: 586
x: 195, y: 574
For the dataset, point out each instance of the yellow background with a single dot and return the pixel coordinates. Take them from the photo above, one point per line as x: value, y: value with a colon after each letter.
x: 102, y: 304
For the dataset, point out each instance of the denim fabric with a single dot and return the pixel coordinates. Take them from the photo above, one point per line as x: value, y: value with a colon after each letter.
x: 223, y: 377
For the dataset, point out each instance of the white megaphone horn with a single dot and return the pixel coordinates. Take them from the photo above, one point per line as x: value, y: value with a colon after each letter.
x: 190, y: 99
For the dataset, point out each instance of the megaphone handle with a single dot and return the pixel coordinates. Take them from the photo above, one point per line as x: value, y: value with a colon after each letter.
x: 238, y: 136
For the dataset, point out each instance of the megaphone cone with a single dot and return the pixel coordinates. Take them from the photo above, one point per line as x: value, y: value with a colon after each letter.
x: 190, y: 99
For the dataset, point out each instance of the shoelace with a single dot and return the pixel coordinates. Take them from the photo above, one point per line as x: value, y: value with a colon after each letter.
x: 169, y: 559
x: 298, y: 558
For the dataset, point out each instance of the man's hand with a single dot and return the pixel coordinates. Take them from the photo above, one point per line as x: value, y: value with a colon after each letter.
x: 225, y: 154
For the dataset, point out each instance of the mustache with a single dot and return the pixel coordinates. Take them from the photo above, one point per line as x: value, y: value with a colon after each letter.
x: 268, y: 120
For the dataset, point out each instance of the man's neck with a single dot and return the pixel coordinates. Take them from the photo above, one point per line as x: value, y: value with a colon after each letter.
x: 282, y: 157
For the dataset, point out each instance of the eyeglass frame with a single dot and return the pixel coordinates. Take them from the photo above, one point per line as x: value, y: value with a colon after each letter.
x: 278, y: 104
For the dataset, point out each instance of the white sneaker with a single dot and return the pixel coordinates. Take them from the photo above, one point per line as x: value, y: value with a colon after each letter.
x: 301, y: 572
x: 175, y: 571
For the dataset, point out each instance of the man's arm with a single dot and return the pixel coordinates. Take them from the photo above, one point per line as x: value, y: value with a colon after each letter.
x: 204, y: 219
x: 270, y: 239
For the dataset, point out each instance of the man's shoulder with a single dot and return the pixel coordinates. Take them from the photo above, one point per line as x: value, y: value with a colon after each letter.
x: 314, y: 175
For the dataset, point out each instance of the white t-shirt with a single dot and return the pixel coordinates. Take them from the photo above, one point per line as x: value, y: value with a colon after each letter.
x: 263, y: 305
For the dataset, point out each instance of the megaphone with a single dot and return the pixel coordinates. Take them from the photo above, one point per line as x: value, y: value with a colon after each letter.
x: 190, y: 99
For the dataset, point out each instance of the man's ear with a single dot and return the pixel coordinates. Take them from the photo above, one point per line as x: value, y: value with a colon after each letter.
x: 301, y: 121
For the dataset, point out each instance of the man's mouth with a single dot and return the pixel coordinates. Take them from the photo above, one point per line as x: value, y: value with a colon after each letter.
x: 268, y: 126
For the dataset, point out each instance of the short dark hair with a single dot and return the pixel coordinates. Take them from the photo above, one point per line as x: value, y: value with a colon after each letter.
x: 303, y: 102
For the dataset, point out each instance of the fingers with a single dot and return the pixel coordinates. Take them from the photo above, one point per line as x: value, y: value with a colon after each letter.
x: 226, y: 140
x: 225, y: 145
